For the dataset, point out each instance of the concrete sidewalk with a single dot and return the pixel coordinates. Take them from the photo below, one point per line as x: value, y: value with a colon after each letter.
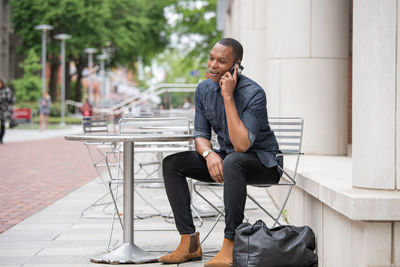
x: 18, y: 134
x: 59, y: 236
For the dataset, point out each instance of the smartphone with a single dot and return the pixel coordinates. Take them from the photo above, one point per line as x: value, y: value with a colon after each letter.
x: 240, y: 68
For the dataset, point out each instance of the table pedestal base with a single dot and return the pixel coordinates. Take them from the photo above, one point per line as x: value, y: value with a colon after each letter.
x: 126, y: 253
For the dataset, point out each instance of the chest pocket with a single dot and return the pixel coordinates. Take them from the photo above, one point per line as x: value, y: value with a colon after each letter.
x: 213, y: 119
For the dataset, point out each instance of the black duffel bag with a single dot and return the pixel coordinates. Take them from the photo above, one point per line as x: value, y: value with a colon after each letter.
x: 284, y: 246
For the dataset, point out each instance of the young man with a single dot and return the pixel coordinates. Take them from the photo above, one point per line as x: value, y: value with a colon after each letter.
x: 235, y: 108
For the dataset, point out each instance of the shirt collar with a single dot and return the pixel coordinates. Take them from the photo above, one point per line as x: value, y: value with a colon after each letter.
x: 214, y: 86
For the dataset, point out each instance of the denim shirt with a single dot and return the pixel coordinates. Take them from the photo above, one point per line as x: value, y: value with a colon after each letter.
x: 250, y: 101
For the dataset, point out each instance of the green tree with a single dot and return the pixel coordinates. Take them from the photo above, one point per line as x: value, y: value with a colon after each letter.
x: 179, y: 68
x: 126, y: 29
x: 196, y: 30
x: 198, y: 21
x: 28, y: 87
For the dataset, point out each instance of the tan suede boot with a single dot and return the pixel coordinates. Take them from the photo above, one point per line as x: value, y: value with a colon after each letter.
x: 189, y: 249
x: 223, y: 257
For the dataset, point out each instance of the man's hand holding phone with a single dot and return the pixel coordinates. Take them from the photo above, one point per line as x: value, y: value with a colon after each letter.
x: 228, y: 82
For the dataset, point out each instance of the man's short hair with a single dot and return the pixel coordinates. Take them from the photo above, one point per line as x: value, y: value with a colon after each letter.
x: 236, y: 47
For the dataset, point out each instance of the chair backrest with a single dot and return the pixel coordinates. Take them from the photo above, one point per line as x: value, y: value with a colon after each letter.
x: 289, y: 134
x: 93, y: 124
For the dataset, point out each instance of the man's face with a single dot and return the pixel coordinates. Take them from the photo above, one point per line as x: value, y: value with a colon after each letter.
x: 220, y: 61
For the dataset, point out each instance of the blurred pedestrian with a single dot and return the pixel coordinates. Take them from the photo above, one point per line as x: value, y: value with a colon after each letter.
x: 187, y: 103
x: 44, y: 110
x: 86, y: 109
x: 6, y: 107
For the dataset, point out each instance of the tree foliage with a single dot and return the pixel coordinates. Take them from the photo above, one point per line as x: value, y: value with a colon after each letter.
x: 195, y: 28
x: 28, y: 87
x: 126, y: 29
x: 197, y: 21
x: 179, y: 68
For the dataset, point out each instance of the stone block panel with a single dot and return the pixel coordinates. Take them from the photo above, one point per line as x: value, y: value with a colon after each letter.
x: 313, y: 217
x: 330, y: 28
x: 377, y: 244
x: 396, y: 243
x: 337, y: 239
x: 295, y: 207
x: 288, y: 28
x: 311, y: 88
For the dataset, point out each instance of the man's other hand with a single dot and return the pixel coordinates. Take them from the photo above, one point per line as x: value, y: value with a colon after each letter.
x: 214, y: 165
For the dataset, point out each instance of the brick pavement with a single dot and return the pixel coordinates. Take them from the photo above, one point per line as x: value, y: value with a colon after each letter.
x: 34, y: 174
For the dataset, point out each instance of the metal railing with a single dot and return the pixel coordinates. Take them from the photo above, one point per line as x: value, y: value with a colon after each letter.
x: 132, y: 101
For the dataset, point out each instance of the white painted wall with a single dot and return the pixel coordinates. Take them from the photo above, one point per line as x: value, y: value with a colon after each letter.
x: 297, y: 50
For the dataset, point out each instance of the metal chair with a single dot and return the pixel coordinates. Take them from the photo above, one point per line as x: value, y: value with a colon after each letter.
x: 97, y: 152
x: 289, y: 134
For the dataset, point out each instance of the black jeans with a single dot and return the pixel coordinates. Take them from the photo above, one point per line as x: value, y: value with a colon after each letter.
x: 239, y: 169
x: 2, y: 129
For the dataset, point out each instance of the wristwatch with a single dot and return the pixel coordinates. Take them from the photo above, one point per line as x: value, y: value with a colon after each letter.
x: 207, y: 152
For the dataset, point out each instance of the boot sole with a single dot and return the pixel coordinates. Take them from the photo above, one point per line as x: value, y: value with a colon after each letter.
x: 191, y: 259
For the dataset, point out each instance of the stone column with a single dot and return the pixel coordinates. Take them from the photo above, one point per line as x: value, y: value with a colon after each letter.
x: 375, y: 94
x: 297, y: 50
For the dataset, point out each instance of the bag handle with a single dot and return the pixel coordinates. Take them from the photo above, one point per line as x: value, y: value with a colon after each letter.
x: 260, y: 224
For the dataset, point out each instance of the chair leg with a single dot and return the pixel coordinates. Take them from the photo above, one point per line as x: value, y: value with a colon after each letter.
x: 219, y: 211
x: 284, y: 204
x: 95, y: 204
x: 262, y: 208
x: 158, y: 212
x: 115, y: 210
x: 115, y: 204
x: 208, y: 202
x: 97, y: 164
x: 111, y: 230
x: 212, y: 228
x: 194, y: 210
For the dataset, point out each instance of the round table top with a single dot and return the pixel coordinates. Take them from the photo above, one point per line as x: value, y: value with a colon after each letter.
x: 115, y: 137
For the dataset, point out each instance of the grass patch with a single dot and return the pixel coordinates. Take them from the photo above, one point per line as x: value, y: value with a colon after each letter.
x: 57, y: 120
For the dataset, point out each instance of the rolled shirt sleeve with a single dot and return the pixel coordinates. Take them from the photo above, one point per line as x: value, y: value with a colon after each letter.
x: 251, y: 116
x: 202, y: 127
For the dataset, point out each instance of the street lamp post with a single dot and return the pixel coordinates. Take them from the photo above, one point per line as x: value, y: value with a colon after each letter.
x: 102, y: 58
x: 44, y: 28
x: 90, y: 52
x: 62, y: 37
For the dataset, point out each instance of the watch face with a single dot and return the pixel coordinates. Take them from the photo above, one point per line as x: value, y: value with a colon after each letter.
x: 205, y: 153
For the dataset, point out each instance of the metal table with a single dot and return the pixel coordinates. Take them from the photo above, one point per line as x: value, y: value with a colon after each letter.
x: 128, y: 252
